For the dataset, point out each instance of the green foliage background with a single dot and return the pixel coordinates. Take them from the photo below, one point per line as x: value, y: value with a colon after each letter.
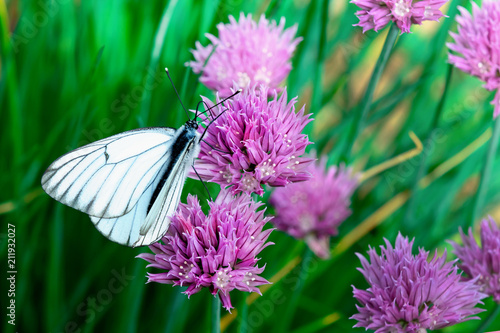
x: 73, y: 72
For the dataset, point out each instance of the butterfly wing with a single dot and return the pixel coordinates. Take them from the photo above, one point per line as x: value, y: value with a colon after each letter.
x: 125, y: 229
x: 158, y: 219
x: 106, y: 178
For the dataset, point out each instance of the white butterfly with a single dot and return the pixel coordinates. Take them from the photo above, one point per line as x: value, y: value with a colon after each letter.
x: 128, y: 183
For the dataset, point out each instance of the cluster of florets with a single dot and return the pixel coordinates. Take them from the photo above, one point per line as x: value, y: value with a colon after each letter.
x: 246, y: 53
x: 482, y: 263
x: 376, y: 14
x: 314, y: 210
x: 215, y: 251
x: 409, y: 293
x: 254, y: 142
x: 477, y: 45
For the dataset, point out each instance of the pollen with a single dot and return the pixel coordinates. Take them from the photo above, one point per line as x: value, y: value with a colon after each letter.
x: 267, y: 168
x: 243, y: 79
x: 249, y: 182
x: 401, y: 9
x: 263, y: 75
x: 223, y: 279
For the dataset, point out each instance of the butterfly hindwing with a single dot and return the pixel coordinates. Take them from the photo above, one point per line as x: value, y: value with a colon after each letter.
x: 125, y: 229
x: 158, y: 219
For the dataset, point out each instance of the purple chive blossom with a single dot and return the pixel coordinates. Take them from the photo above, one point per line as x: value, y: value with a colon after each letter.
x: 216, y: 251
x: 478, y: 46
x: 246, y: 53
x: 376, y: 14
x: 313, y: 210
x: 256, y: 142
x: 408, y: 293
x: 483, y: 262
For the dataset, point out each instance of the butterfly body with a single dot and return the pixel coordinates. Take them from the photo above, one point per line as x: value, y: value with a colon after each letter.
x: 129, y: 183
x: 186, y: 139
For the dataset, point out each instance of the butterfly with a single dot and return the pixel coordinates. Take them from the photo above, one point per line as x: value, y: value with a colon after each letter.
x: 129, y: 183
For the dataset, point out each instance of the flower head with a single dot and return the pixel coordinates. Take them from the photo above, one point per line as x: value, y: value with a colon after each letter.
x: 254, y: 142
x: 314, y: 209
x: 478, y: 45
x: 216, y: 251
x: 483, y: 262
x: 407, y: 293
x: 245, y: 53
x: 376, y: 14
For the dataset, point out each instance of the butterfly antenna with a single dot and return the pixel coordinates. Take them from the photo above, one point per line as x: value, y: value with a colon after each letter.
x: 225, y: 99
x: 213, y: 120
x: 207, y: 109
x: 178, y: 97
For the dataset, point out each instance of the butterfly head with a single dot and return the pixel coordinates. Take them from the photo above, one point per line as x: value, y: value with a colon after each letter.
x: 192, y: 124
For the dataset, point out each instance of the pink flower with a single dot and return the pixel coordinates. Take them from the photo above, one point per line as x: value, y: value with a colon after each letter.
x: 254, y: 142
x: 477, y: 45
x: 246, y: 53
x: 216, y: 251
x: 483, y: 262
x: 313, y: 210
x: 376, y: 14
x: 411, y: 294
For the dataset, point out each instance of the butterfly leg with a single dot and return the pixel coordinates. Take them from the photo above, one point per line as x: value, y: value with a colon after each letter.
x: 220, y: 151
x: 204, y: 185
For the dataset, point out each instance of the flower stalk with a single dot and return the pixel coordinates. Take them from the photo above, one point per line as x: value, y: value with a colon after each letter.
x: 487, y: 322
x: 486, y: 173
x: 422, y: 168
x: 366, y: 102
x: 284, y: 326
x: 216, y: 314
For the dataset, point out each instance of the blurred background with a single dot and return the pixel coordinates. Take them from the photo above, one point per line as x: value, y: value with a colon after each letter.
x: 74, y: 72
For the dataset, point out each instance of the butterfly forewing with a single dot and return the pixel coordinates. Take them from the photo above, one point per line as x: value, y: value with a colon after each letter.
x: 108, y: 177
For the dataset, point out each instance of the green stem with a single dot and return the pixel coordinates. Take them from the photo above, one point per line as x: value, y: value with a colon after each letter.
x: 366, y: 102
x: 216, y: 314
x: 175, y: 316
x: 285, y: 324
x: 486, y: 173
x: 272, y: 8
x: 320, y: 68
x: 9, y: 93
x: 243, y: 316
x: 487, y: 321
x: 422, y: 168
x: 54, y: 299
x: 133, y: 299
